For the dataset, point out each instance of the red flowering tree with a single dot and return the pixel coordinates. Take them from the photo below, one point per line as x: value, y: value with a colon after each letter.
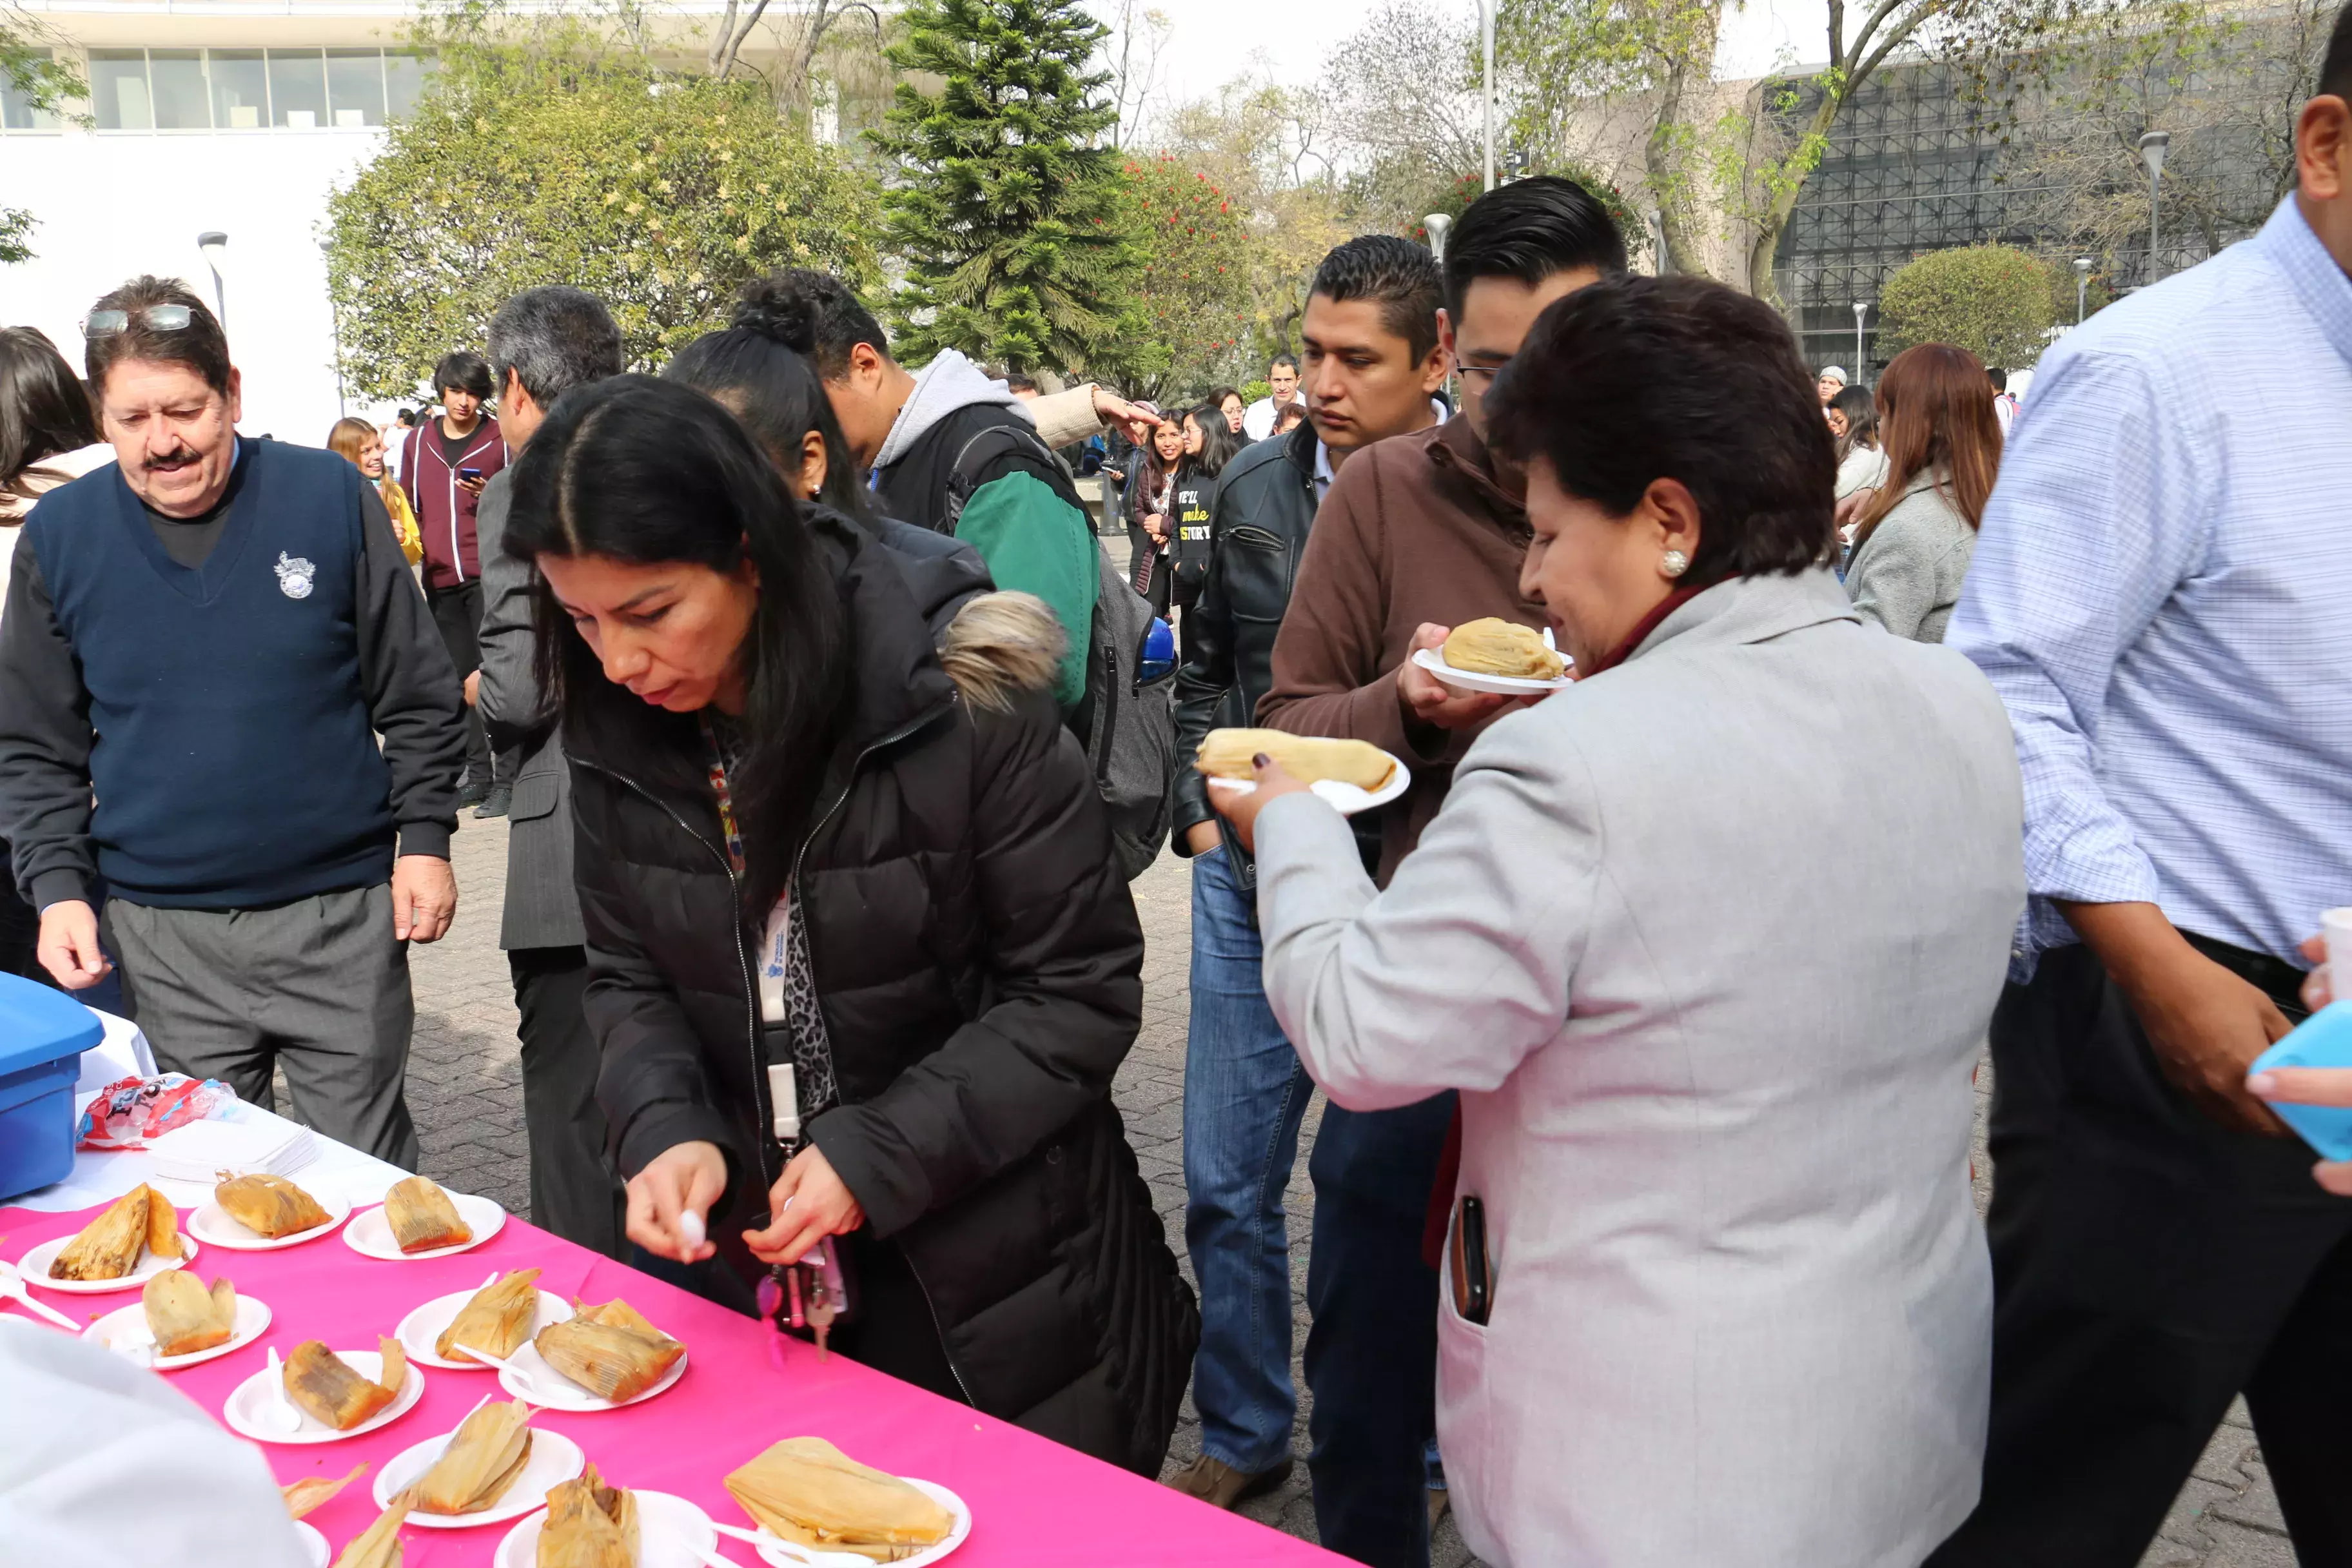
x: 1191, y: 312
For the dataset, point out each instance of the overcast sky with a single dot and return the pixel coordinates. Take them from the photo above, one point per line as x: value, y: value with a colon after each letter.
x: 1213, y: 41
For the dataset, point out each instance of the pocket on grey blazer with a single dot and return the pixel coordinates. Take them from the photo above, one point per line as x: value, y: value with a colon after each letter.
x: 535, y: 794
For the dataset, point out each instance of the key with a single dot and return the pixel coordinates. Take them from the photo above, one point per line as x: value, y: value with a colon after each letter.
x: 822, y: 1310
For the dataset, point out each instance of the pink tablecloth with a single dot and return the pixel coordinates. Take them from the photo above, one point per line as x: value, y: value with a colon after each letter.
x: 1034, y: 1503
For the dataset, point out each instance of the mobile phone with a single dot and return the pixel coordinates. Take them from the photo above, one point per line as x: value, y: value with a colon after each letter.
x: 469, y: 473
x: 2322, y: 1040
x: 1473, y: 1282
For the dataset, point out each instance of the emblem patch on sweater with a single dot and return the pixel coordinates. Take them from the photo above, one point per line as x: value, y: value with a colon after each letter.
x: 294, y: 574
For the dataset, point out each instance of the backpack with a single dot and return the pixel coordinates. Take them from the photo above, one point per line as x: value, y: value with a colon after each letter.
x: 1126, y: 719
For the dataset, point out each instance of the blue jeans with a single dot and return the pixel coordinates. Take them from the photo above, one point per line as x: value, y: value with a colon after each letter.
x: 1371, y: 1356
x: 1245, y: 1093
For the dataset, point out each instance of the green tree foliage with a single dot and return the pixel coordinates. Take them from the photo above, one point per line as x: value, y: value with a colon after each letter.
x: 660, y: 195
x: 1994, y: 300
x: 1012, y: 219
x: 1456, y: 197
x: 1194, y: 295
x: 34, y: 64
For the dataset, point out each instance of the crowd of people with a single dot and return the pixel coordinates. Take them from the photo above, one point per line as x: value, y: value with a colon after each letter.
x: 1906, y: 718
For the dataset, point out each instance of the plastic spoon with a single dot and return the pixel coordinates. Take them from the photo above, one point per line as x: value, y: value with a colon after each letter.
x: 768, y: 1541
x: 279, y: 1415
x: 12, y: 1285
x: 711, y: 1558
x: 500, y: 1364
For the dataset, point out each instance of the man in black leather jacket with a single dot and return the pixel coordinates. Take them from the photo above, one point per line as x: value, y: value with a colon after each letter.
x: 1372, y: 364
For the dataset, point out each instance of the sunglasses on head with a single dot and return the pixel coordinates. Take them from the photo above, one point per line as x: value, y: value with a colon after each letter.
x: 158, y: 318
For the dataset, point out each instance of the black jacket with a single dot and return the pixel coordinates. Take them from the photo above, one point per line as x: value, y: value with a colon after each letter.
x: 976, y: 958
x: 1264, y: 507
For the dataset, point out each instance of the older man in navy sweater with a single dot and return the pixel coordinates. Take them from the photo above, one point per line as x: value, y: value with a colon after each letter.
x: 208, y: 636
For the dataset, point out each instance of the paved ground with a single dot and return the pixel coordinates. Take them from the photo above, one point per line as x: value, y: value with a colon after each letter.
x: 465, y: 1090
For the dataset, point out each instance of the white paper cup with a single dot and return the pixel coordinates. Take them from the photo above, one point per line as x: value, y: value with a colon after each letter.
x: 2337, y: 924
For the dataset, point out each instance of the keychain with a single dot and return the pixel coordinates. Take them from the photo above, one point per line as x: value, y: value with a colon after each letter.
x: 812, y: 1293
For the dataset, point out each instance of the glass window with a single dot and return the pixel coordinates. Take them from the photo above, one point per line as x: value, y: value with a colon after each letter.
x: 17, y: 110
x: 404, y: 82
x: 117, y: 90
x: 240, y: 90
x: 181, y: 101
x: 298, y: 90
x: 355, y: 86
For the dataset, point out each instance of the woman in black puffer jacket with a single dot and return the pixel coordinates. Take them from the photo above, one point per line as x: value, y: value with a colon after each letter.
x: 919, y: 912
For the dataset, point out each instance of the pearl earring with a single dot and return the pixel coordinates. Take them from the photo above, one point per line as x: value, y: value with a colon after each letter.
x: 1673, y: 563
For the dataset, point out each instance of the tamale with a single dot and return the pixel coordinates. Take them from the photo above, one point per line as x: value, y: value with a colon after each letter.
x: 809, y: 1491
x: 109, y: 1246
x: 497, y: 1317
x: 378, y: 1546
x: 610, y: 1357
x: 329, y: 1391
x: 1229, y: 753
x: 162, y: 1227
x: 485, y: 1456
x: 313, y: 1492
x: 184, y: 1316
x: 422, y: 1216
x: 1497, y: 646
x: 588, y: 1525
x: 268, y: 1205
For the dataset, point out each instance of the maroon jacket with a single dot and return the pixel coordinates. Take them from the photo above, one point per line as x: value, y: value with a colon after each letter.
x: 445, y: 511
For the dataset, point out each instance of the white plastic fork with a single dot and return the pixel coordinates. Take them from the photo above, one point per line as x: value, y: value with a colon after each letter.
x: 12, y: 1288
x: 793, y: 1549
x: 279, y: 1415
x: 529, y: 1389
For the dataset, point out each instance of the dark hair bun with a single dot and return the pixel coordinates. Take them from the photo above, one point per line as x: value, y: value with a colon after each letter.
x: 774, y: 308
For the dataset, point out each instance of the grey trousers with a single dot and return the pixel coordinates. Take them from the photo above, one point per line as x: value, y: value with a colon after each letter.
x: 319, y: 987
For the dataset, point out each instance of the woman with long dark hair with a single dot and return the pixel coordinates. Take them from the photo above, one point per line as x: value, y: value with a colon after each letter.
x: 1151, y: 505
x: 1232, y: 405
x: 1916, y: 537
x: 861, y: 963
x: 1210, y: 444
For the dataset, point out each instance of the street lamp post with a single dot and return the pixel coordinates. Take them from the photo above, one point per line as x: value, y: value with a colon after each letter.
x: 1861, y: 365
x: 335, y: 334
x: 2151, y: 152
x: 2082, y: 286
x: 1486, y: 39
x: 213, y: 246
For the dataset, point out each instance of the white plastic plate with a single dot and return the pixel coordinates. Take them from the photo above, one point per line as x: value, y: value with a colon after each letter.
x: 554, y: 1458
x: 419, y: 1329
x: 35, y: 1267
x: 671, y: 1533
x: 247, y: 1397
x: 213, y: 1223
x: 1344, y: 798
x: 551, y: 1390
x: 1434, y: 660
x: 313, y: 1543
x: 369, y: 1234
x: 931, y: 1489
x: 125, y: 1327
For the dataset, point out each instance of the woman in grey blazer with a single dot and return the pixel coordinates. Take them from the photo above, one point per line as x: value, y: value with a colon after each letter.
x: 1942, y: 442
x: 1707, y: 942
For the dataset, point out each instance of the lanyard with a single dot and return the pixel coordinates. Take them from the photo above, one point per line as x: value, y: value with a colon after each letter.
x: 727, y: 827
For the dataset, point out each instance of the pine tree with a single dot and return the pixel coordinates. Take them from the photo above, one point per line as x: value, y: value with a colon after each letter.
x: 1007, y: 214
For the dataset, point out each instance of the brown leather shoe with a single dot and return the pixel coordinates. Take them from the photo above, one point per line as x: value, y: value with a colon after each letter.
x: 1219, y: 1485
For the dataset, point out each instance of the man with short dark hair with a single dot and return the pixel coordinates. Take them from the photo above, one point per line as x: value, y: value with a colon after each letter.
x: 543, y: 342
x: 2158, y: 598
x: 445, y: 463
x: 208, y: 636
x: 1259, y: 419
x: 1372, y: 360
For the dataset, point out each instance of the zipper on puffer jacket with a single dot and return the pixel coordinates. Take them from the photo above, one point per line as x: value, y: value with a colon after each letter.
x: 856, y: 765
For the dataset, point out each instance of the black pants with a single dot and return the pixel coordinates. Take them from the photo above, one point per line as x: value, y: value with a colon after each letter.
x: 20, y: 929
x: 2148, y: 1265
x: 458, y: 612
x: 574, y: 1189
x: 1371, y: 1352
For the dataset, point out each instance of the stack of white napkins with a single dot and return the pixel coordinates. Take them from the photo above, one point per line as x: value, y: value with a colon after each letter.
x: 200, y: 1151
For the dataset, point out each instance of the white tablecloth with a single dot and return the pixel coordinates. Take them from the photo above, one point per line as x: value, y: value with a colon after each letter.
x: 337, y: 1169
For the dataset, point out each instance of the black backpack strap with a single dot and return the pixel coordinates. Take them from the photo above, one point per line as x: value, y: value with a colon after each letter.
x: 988, y: 455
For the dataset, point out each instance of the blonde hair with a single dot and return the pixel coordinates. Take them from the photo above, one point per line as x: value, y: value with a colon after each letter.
x: 348, y: 440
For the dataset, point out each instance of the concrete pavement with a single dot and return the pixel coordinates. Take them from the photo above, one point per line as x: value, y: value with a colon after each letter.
x: 464, y: 1088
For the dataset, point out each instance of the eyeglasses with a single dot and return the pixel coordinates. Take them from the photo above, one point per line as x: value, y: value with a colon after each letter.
x: 1484, y: 374
x: 158, y: 318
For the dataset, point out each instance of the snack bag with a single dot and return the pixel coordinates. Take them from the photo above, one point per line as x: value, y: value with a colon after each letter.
x: 128, y: 1111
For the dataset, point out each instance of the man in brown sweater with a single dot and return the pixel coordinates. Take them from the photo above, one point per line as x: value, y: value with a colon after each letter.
x: 1418, y: 534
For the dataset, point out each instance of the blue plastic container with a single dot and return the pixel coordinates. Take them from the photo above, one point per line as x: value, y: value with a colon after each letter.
x: 43, y: 1034
x: 2322, y: 1040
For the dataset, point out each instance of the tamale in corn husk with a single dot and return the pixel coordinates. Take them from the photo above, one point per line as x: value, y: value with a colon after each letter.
x: 324, y: 1387
x: 422, y: 1216
x: 268, y: 1205
x: 497, y: 1319
x: 1497, y: 646
x: 588, y: 1525
x: 378, y: 1546
x: 1232, y: 753
x: 109, y: 1246
x: 485, y: 1458
x: 609, y: 1349
x: 809, y: 1491
x: 162, y: 1227
x: 313, y: 1492
x: 184, y: 1316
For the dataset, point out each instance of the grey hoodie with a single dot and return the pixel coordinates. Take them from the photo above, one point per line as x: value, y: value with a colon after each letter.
x: 949, y: 383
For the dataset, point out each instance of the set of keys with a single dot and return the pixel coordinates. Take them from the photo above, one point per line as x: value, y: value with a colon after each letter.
x: 804, y: 1295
